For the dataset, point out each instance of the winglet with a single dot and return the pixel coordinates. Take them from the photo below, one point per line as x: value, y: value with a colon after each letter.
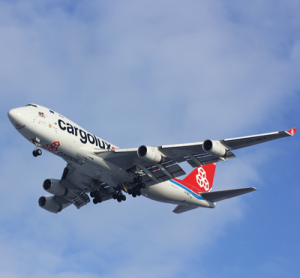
x: 291, y: 131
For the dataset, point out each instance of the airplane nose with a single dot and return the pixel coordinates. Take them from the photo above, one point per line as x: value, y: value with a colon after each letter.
x: 14, y: 116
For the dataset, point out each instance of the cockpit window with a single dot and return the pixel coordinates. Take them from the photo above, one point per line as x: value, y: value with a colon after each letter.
x: 31, y: 105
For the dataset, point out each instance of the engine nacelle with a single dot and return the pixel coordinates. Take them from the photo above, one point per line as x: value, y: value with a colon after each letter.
x: 214, y: 148
x: 150, y: 154
x: 54, y: 187
x: 48, y: 203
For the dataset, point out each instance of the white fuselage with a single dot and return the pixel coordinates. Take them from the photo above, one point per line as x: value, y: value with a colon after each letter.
x: 77, y: 146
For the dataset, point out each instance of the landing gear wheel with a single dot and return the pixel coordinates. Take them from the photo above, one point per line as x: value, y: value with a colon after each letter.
x: 37, y: 152
x: 97, y: 200
x: 92, y: 194
x: 129, y: 191
x: 133, y: 195
x: 119, y: 199
x: 114, y: 196
x: 124, y: 198
x: 139, y: 193
x: 36, y: 141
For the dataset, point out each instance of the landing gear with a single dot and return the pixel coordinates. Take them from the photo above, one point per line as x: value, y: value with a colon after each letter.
x: 135, y: 192
x: 97, y: 200
x: 119, y: 197
x: 96, y: 195
x: 138, y: 184
x: 37, y: 152
x: 36, y: 142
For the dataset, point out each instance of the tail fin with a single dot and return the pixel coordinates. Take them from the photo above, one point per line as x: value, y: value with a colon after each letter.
x: 202, y: 176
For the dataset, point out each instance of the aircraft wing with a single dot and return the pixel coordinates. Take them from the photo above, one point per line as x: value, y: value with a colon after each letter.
x: 196, y: 154
x: 217, y: 196
x: 242, y: 142
x: 78, y: 185
x: 188, y: 152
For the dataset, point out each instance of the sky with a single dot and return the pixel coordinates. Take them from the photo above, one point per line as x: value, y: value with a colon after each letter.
x: 154, y: 73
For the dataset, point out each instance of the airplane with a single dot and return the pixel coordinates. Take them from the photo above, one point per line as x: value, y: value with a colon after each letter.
x: 101, y: 169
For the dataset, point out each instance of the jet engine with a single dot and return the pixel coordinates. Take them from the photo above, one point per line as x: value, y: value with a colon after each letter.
x: 48, y: 203
x: 55, y: 187
x: 150, y: 154
x: 214, y: 148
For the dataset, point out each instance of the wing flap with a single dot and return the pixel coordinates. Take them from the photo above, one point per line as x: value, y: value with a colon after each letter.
x: 192, y: 154
x: 217, y: 196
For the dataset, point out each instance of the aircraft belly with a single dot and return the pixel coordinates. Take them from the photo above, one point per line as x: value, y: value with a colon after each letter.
x: 85, y: 161
x: 164, y: 192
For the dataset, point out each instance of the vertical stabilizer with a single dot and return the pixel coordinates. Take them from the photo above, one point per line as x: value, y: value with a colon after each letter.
x: 202, y: 177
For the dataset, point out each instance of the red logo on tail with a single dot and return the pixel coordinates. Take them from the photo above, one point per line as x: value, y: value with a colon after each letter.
x: 201, y: 179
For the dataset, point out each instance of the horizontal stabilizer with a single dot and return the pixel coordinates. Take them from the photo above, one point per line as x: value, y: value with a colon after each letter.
x: 217, y: 196
x: 182, y: 208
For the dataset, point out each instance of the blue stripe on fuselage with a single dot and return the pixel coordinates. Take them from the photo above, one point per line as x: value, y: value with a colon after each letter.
x: 188, y: 190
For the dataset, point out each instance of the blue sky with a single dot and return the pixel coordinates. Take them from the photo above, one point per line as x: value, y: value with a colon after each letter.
x: 154, y: 72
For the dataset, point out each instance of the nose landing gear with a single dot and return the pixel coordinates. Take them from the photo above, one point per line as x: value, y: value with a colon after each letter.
x: 37, y: 152
x: 36, y: 142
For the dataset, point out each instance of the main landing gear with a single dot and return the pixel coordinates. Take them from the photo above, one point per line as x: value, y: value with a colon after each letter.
x: 96, y: 195
x: 138, y: 185
x: 119, y: 196
x: 36, y: 142
x: 97, y: 198
x: 135, y: 190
